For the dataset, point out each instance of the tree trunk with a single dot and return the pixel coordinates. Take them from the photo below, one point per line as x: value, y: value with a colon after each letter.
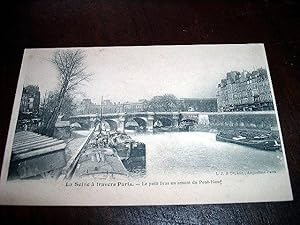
x: 49, y: 129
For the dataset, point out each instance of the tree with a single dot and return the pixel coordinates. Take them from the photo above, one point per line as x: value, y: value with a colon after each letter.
x: 165, y: 103
x: 49, y: 102
x: 70, y: 65
x: 263, y: 72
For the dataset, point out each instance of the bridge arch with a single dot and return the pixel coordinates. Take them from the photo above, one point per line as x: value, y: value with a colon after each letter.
x: 113, y: 124
x: 163, y: 121
x: 131, y: 124
x: 138, y: 123
x: 141, y: 121
x: 85, y: 124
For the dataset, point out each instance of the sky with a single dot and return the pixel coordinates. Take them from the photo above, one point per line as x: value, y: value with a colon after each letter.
x: 123, y: 74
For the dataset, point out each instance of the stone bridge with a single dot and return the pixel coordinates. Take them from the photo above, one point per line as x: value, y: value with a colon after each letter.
x: 147, y: 120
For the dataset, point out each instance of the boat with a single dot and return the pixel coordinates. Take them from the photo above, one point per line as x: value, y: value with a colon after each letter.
x: 165, y: 129
x: 108, y: 155
x: 263, y: 142
x: 100, y: 163
x: 131, y: 152
x: 186, y: 125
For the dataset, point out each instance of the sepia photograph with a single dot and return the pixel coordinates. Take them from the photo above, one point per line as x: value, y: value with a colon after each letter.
x: 180, y: 116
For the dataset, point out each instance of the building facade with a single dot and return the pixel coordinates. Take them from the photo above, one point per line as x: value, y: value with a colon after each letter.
x: 88, y: 107
x: 30, y: 100
x: 198, y: 104
x: 85, y: 107
x: 245, y: 91
x: 29, y: 110
x: 131, y: 107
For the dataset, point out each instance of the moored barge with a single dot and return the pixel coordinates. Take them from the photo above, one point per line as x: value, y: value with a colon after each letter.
x: 106, y: 155
x: 260, y: 141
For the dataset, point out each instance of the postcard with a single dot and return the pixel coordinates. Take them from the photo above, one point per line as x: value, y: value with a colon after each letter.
x: 144, y: 125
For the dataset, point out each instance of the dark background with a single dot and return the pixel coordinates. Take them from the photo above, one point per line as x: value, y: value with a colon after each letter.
x: 33, y: 24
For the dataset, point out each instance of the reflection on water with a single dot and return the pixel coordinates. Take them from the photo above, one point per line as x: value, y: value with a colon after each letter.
x: 199, y: 152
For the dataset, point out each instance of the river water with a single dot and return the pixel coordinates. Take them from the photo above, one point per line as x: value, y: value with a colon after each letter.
x: 196, y: 153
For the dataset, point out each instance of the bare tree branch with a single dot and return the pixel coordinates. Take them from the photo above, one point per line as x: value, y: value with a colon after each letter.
x: 71, y: 68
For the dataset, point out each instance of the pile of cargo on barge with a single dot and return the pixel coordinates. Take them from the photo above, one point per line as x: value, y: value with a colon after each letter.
x: 111, y: 154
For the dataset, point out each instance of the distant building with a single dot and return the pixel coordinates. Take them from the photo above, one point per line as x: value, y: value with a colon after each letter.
x: 30, y: 100
x: 107, y: 107
x: 85, y: 107
x: 28, y: 118
x: 245, y: 91
x: 198, y: 104
x: 88, y: 107
x: 129, y: 107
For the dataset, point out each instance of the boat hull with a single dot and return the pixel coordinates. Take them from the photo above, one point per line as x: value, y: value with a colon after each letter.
x: 267, y: 145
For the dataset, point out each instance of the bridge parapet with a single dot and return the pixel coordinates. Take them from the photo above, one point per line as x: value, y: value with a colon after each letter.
x: 214, y: 119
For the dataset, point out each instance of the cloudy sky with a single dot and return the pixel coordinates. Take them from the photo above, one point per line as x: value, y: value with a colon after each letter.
x: 131, y: 73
